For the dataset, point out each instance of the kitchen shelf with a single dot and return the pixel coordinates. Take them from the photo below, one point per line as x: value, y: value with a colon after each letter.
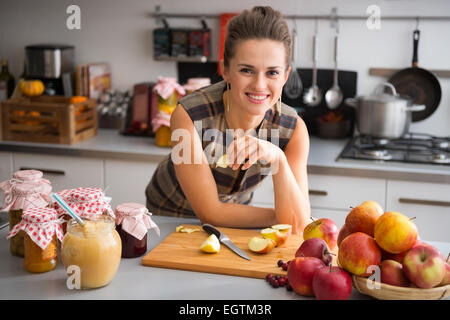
x: 387, y: 72
x: 201, y: 59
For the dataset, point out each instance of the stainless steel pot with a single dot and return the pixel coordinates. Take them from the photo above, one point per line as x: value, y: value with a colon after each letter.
x: 383, y: 115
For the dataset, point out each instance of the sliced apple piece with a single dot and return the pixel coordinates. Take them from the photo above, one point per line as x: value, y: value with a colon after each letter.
x: 211, y: 244
x: 274, y: 234
x: 261, y: 245
x: 283, y: 228
x: 222, y: 161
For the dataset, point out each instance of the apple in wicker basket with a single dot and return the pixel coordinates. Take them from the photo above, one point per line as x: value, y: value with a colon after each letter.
x: 395, y: 232
x: 424, y: 266
x: 357, y: 253
x: 363, y: 217
x: 392, y: 273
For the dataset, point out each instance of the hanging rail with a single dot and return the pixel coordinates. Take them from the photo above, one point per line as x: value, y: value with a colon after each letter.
x: 160, y: 15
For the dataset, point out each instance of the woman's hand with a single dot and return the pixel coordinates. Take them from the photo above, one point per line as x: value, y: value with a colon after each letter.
x: 252, y: 149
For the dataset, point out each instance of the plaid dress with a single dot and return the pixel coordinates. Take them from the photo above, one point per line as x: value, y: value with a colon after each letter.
x: 206, y: 109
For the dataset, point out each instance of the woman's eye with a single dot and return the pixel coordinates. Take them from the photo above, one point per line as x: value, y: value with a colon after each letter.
x: 246, y: 70
x: 273, y: 73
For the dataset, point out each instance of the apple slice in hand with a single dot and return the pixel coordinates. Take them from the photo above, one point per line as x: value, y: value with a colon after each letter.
x: 261, y: 245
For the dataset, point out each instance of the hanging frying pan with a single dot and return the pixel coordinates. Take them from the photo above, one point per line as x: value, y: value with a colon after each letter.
x: 420, y: 85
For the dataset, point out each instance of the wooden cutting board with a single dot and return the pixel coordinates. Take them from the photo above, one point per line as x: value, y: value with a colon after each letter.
x: 182, y: 251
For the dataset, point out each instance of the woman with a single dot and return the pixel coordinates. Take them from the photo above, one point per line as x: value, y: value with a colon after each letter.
x: 246, y: 105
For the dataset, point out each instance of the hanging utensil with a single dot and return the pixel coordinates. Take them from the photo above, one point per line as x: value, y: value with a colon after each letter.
x: 421, y: 85
x: 294, y: 86
x: 313, y: 96
x: 334, y: 95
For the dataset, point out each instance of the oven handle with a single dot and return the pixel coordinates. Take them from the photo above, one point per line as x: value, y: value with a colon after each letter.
x: 425, y: 202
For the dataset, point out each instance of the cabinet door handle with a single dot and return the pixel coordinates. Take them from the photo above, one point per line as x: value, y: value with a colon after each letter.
x: 318, y: 193
x: 47, y: 171
x: 425, y: 202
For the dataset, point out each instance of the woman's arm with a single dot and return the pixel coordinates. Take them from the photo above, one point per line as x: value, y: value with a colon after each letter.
x: 290, y: 181
x: 198, y: 184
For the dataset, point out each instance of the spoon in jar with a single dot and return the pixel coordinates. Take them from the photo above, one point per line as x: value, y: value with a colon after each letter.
x: 66, y: 207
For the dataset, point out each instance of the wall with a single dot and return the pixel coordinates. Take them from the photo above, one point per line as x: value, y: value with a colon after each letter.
x: 120, y: 32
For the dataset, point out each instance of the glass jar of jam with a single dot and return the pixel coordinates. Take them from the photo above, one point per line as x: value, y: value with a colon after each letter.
x: 41, y: 230
x: 133, y: 222
x: 94, y: 248
x: 27, y: 189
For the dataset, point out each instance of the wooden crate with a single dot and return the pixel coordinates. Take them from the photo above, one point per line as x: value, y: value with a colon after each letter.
x: 51, y: 119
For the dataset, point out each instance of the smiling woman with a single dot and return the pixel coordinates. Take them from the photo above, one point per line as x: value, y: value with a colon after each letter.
x: 242, y: 115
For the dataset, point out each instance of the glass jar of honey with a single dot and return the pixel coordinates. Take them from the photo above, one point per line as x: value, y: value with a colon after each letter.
x: 41, y: 229
x: 95, y: 248
x: 133, y: 222
x: 27, y: 189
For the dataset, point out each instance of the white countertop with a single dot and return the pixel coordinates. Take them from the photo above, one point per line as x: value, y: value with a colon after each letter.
x: 322, y: 158
x: 135, y: 281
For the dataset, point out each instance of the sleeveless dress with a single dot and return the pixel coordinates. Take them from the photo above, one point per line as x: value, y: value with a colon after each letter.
x: 205, y: 107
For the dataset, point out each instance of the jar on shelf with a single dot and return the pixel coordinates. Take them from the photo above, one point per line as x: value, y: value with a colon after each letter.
x: 133, y: 220
x: 194, y: 84
x: 27, y: 189
x: 95, y: 248
x: 86, y: 202
x: 41, y: 229
x: 168, y: 91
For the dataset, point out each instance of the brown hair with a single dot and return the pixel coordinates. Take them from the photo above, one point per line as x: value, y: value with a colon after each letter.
x: 259, y: 23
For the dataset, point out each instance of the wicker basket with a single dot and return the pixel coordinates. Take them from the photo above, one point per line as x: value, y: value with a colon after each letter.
x: 388, y: 292
x: 52, y: 119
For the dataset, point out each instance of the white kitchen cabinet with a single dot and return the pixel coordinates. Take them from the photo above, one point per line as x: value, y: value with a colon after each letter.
x: 340, y: 193
x: 330, y: 192
x: 62, y: 171
x: 125, y: 181
x: 428, y: 202
x: 6, y: 165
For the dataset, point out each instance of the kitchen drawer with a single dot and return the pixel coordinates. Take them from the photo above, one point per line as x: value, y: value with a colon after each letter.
x: 428, y: 202
x: 63, y: 172
x: 126, y: 180
x: 340, y: 193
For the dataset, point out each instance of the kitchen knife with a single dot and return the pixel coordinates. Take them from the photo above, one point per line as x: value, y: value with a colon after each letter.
x: 223, y: 238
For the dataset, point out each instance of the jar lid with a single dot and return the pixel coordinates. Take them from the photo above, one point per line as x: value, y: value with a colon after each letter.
x: 28, y: 175
x: 196, y: 83
x: 40, y: 224
x: 130, y: 209
x: 135, y: 219
x: 166, y: 86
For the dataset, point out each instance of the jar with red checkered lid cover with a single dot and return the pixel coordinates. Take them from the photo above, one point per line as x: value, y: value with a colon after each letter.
x: 41, y: 228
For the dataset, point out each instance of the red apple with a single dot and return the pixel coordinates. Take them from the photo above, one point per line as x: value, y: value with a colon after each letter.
x: 357, y: 252
x: 392, y: 273
x: 332, y: 283
x: 323, y: 228
x: 315, y: 247
x: 397, y: 256
x: 363, y: 217
x: 395, y: 232
x: 344, y: 232
x: 446, y: 279
x: 300, y: 273
x: 423, y: 265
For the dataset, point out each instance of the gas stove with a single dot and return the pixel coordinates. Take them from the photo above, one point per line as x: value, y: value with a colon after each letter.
x: 411, y: 148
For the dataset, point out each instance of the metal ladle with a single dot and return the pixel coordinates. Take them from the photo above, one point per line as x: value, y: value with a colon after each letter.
x: 334, y: 95
x: 313, y: 96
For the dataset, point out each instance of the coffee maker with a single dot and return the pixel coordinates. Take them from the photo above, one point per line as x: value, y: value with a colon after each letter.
x: 53, y: 64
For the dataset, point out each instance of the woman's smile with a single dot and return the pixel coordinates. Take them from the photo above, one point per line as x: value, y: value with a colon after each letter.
x: 257, y: 98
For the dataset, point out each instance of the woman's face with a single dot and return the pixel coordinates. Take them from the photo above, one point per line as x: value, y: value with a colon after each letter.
x: 256, y: 74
